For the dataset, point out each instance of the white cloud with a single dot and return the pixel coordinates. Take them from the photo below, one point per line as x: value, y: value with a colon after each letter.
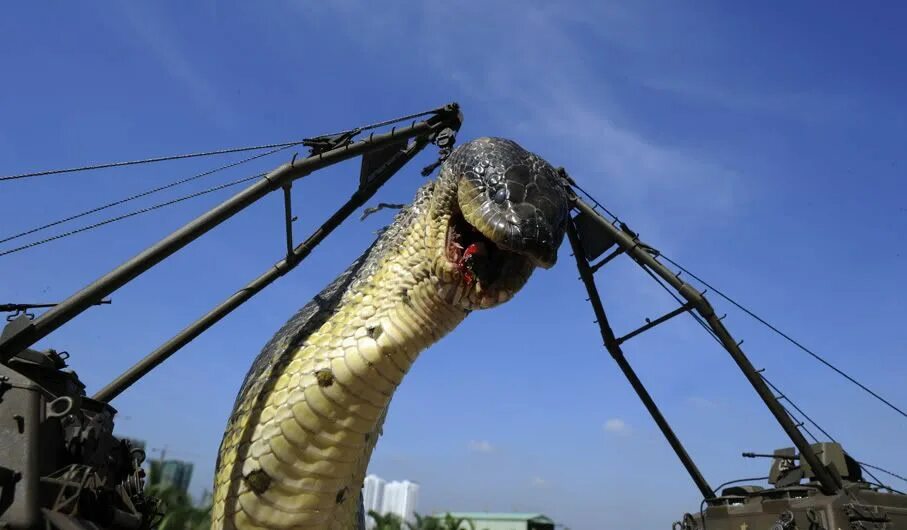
x: 606, y: 155
x: 617, y: 426
x: 481, y: 446
x: 555, y: 95
x: 538, y: 482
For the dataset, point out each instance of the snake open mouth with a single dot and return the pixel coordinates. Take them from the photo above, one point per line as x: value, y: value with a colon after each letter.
x: 474, y: 255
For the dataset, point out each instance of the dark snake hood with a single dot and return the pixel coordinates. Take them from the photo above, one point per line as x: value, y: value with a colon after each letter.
x: 515, y: 197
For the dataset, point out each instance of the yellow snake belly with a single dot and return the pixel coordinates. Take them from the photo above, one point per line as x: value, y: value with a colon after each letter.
x: 295, y: 455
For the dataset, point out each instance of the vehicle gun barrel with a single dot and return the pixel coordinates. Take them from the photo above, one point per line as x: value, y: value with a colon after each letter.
x: 12, y: 308
x: 762, y: 455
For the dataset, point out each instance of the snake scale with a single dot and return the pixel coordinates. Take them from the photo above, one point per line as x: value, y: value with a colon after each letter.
x: 308, y: 415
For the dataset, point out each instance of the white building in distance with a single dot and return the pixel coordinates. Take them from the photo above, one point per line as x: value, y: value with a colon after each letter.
x: 372, y: 497
x: 397, y: 497
x: 401, y: 498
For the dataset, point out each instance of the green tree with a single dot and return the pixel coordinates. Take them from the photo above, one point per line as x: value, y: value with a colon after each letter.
x: 177, y: 509
x: 392, y: 521
x: 388, y: 521
x: 448, y: 522
x: 424, y: 522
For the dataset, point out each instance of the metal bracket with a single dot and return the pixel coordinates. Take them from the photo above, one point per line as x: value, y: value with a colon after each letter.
x: 18, y: 313
x: 785, y: 521
x: 866, y: 516
x: 445, y: 140
x: 592, y: 240
x: 815, y: 520
x: 608, y: 258
x: 327, y: 142
x: 374, y: 160
x: 288, y: 219
x: 652, y: 323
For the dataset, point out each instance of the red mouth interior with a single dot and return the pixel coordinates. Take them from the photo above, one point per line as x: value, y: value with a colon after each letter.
x: 473, y: 254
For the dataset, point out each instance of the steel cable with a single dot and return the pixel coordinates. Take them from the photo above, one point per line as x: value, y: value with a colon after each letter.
x: 758, y: 318
x: 143, y: 194
x: 149, y: 160
x: 788, y: 338
x: 131, y: 214
x: 209, y: 153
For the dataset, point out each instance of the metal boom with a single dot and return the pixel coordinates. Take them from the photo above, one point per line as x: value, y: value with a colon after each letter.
x: 644, y: 256
x: 388, y: 151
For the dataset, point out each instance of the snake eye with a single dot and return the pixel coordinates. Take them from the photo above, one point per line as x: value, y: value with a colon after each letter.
x: 500, y: 195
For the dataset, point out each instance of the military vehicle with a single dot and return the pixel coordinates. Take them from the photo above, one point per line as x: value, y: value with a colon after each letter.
x: 62, y: 467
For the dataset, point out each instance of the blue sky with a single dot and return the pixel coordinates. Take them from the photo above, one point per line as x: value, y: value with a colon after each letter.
x: 759, y: 145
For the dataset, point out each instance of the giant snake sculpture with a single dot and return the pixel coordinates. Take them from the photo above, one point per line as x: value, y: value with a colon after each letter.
x: 309, y: 413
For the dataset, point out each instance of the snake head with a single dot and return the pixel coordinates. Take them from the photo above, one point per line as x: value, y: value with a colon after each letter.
x: 507, y: 215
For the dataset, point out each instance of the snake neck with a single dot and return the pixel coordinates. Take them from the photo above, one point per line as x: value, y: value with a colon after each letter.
x: 298, y: 459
